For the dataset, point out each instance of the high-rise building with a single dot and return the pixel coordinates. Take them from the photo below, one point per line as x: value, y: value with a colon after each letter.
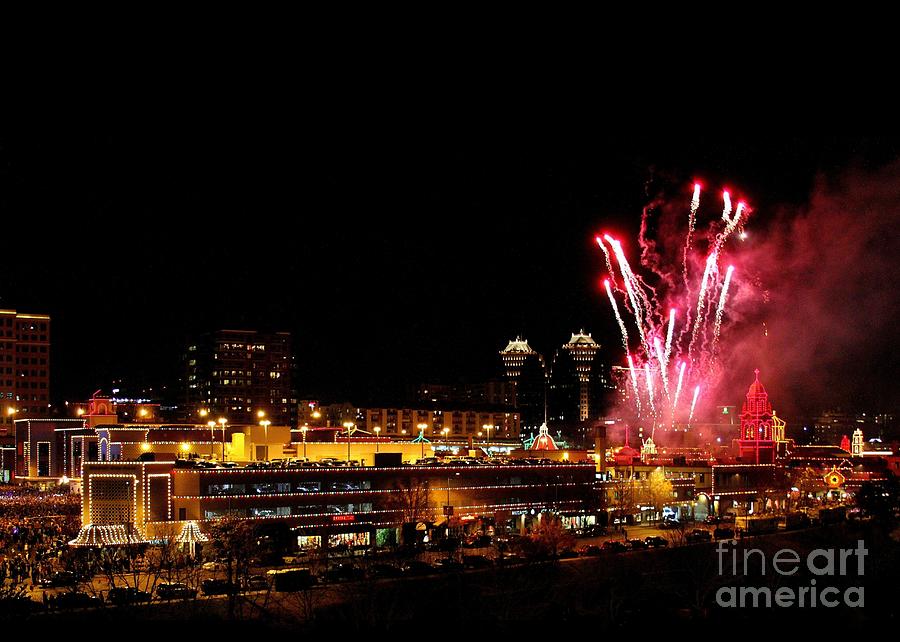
x: 576, y: 380
x: 527, y: 370
x: 24, y: 367
x: 237, y: 373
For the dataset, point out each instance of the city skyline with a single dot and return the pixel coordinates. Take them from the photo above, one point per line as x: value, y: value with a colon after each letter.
x: 301, y: 380
x: 451, y: 257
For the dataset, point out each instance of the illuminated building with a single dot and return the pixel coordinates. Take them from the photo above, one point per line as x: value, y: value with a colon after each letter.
x: 399, y: 423
x: 577, y: 385
x: 494, y: 393
x: 757, y: 440
x: 526, y: 369
x: 236, y: 373
x: 24, y: 367
x: 49, y: 449
x: 139, y: 500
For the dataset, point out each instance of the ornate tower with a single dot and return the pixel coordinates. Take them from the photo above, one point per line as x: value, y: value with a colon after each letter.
x: 526, y: 370
x: 582, y: 350
x: 858, y: 443
x: 757, y: 439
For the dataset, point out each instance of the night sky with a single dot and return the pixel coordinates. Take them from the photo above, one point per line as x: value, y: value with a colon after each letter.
x: 394, y: 258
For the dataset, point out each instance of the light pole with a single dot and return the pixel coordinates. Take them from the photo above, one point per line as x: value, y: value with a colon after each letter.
x: 265, y: 424
x: 377, y: 430
x: 303, y: 431
x: 422, y: 428
x: 349, y: 426
x: 487, y: 428
x: 223, y: 421
x: 212, y: 437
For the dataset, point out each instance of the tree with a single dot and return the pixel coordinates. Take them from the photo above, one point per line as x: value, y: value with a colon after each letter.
x: 234, y: 544
x: 412, y: 499
x: 550, y: 537
x: 658, y: 490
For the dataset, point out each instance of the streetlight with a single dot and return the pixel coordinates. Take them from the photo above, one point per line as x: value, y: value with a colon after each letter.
x: 487, y: 429
x: 203, y: 412
x: 223, y: 421
x: 212, y: 437
x: 377, y: 430
x: 422, y: 428
x: 303, y: 430
x: 265, y: 424
x: 348, y: 425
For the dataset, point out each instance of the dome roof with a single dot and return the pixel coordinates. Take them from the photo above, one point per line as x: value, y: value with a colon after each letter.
x: 756, y: 388
x: 543, y: 441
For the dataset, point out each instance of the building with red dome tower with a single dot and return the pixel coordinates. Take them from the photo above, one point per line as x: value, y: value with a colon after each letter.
x: 757, y: 440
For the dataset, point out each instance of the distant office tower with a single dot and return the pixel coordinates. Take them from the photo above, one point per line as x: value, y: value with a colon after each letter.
x: 577, y: 381
x: 24, y: 367
x: 237, y: 373
x: 527, y: 370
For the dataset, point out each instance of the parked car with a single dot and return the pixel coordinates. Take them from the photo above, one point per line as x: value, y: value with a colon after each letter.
x: 590, y: 531
x: 566, y: 554
x: 655, y: 541
x: 477, y: 561
x: 343, y: 573
x: 637, y: 544
x: 256, y: 583
x: 417, y: 567
x: 447, y: 564
x: 59, y: 579
x: 175, y: 591
x: 477, y: 541
x: 511, y: 559
x: 216, y: 587
x: 667, y: 524
x: 383, y: 571
x: 614, y: 546
x: 124, y: 595
x: 723, y: 533
x: 698, y: 535
x: 590, y: 550
x: 74, y: 600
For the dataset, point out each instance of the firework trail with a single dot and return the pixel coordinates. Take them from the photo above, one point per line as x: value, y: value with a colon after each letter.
x: 609, y: 267
x: 649, y: 386
x: 694, y: 404
x: 678, y: 387
x: 669, y: 335
x: 692, y: 222
x: 701, y: 299
x: 660, y: 357
x: 631, y: 285
x: 615, y: 307
x: 721, y: 308
x: 634, y: 382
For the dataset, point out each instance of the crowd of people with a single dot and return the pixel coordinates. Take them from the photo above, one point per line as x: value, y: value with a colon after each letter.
x: 34, y: 529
